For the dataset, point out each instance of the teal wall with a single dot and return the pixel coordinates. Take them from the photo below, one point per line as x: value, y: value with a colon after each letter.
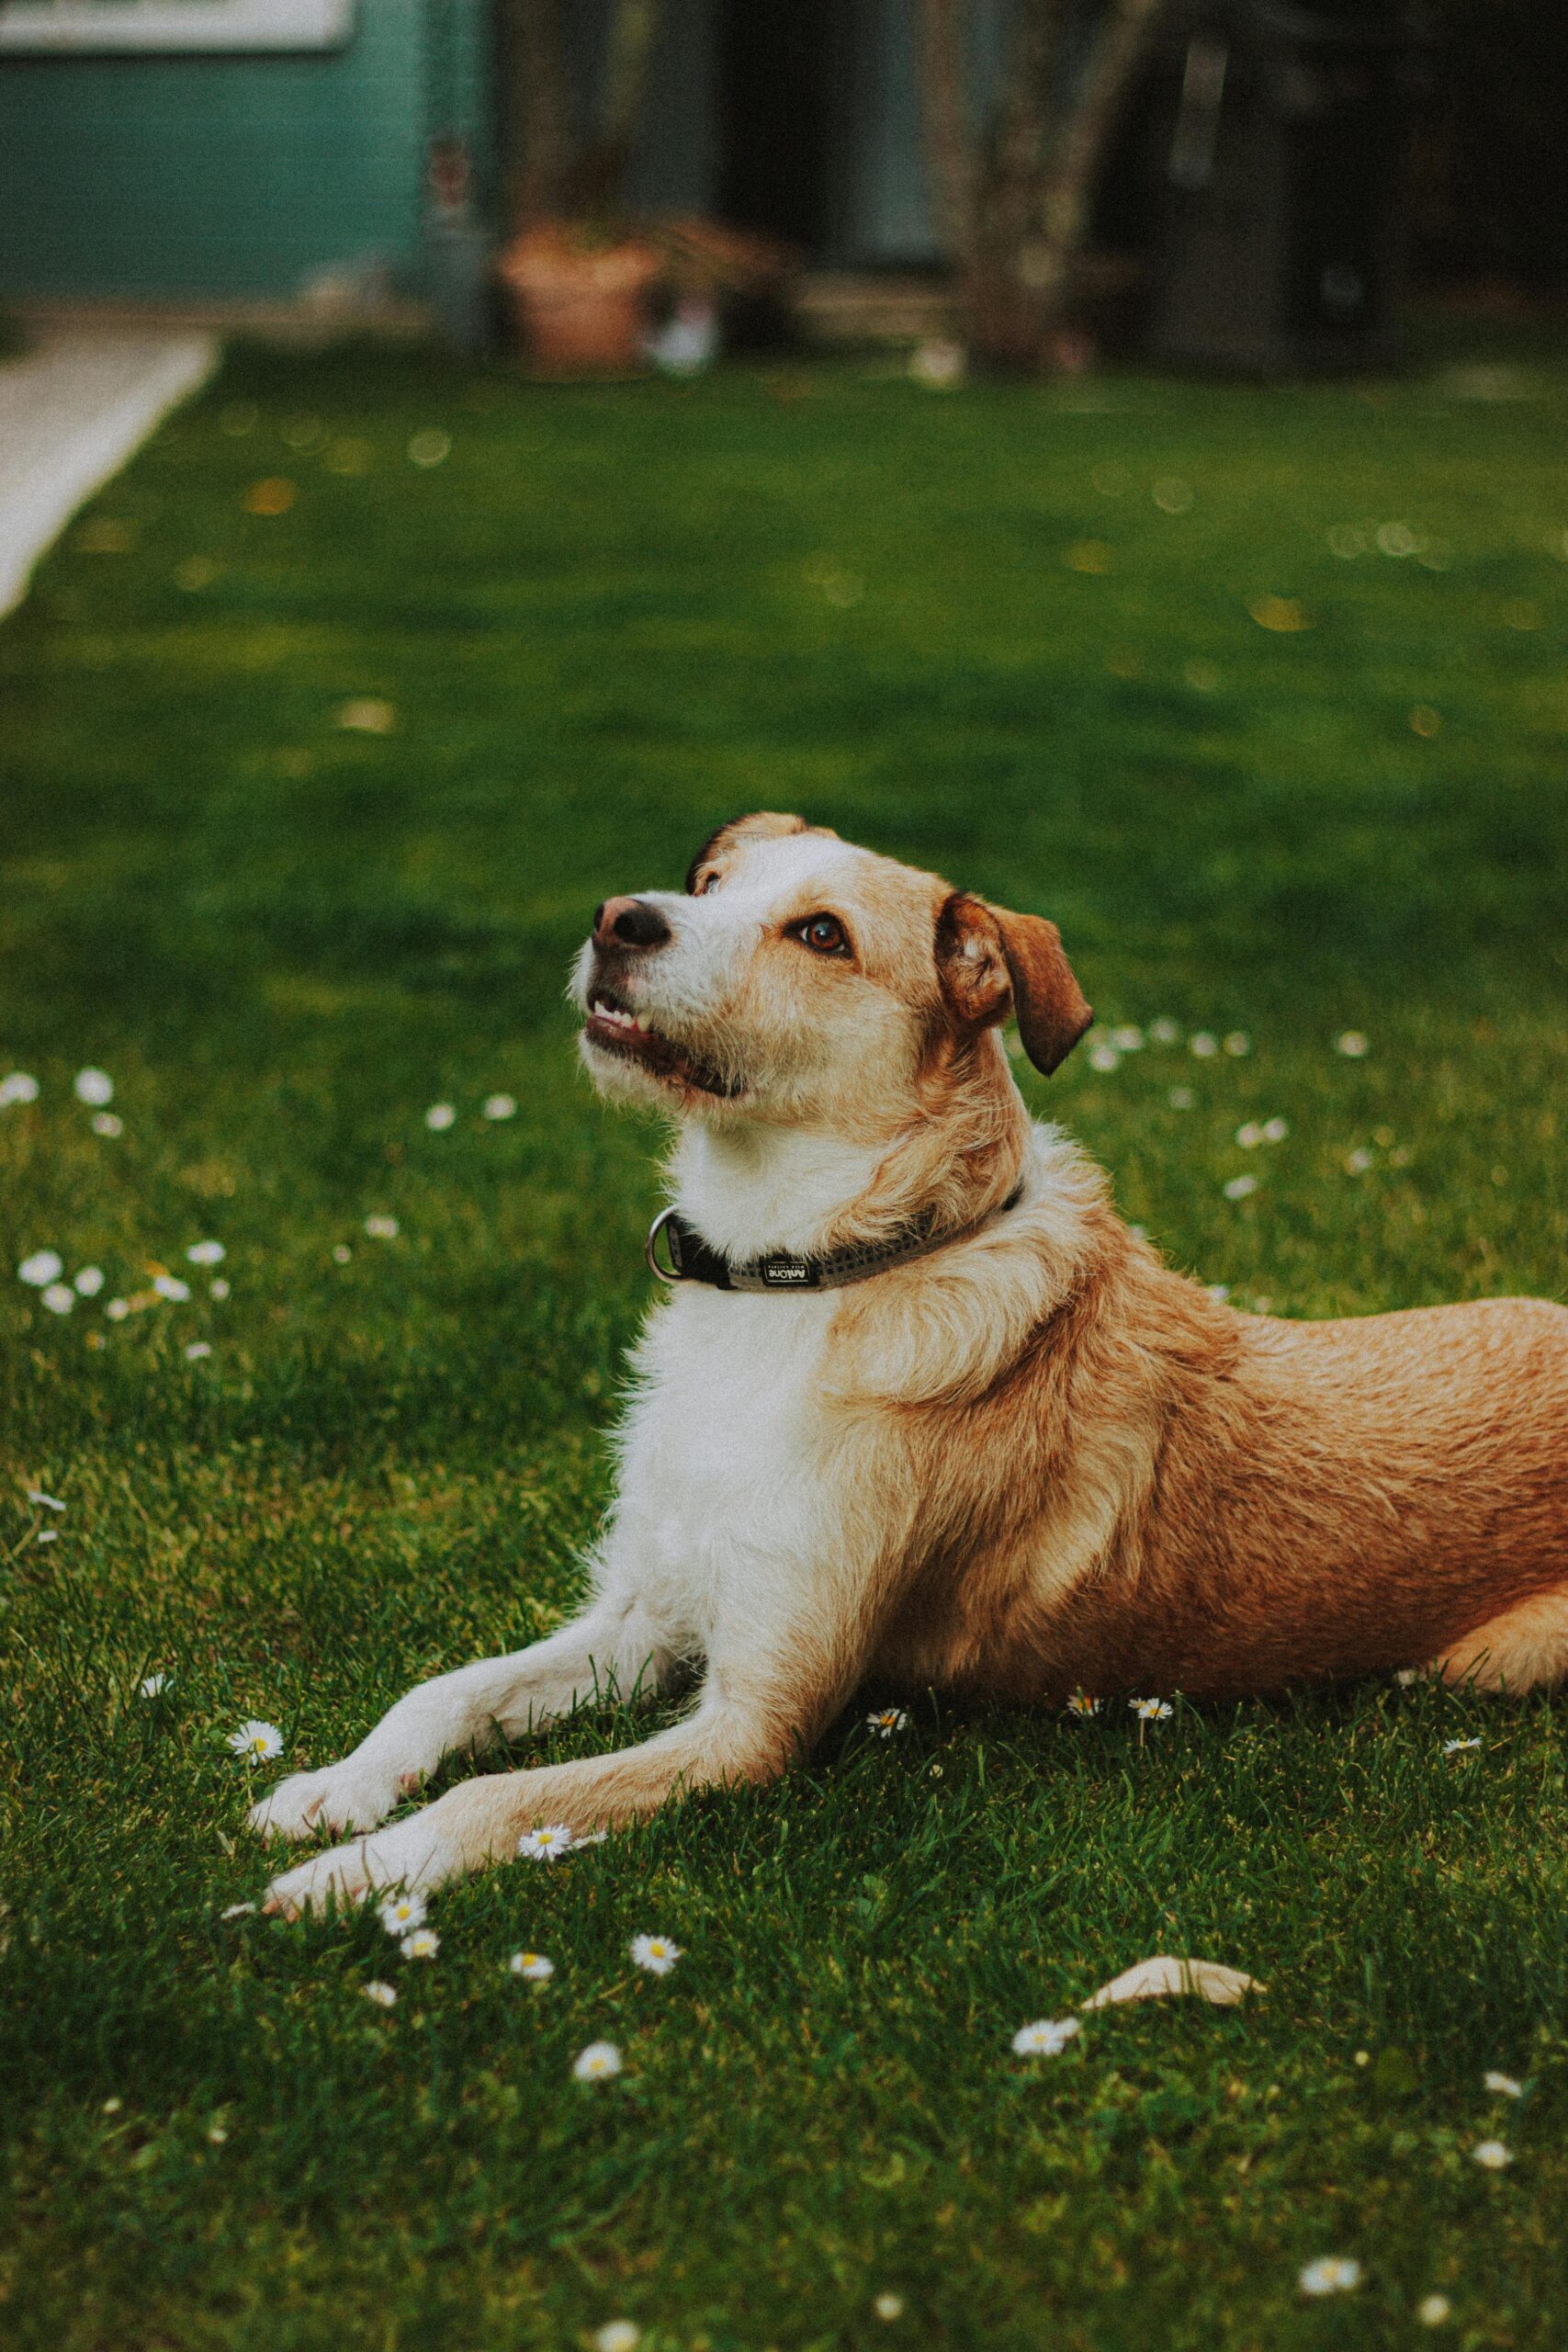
x: 231, y: 175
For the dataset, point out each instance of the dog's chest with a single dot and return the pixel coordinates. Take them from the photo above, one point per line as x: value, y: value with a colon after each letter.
x: 721, y: 1451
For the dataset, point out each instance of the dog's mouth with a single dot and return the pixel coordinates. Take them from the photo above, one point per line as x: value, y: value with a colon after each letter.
x: 613, y: 1025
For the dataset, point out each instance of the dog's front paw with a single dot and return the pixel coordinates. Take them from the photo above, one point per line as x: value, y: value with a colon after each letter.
x: 350, y: 1795
x: 415, y: 1854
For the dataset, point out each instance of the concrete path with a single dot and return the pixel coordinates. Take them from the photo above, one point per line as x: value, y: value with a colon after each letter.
x: 72, y: 409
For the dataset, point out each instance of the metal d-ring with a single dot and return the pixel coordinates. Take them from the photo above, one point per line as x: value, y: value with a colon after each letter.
x: 672, y: 1273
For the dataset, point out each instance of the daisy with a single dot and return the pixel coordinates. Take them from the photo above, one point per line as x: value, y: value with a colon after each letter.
x: 17, y: 1088
x: 1505, y: 2086
x: 169, y: 1286
x: 1493, y: 2155
x: 1104, y: 1057
x: 657, y: 1954
x: 1238, y: 1044
x: 546, y: 1845
x: 617, y: 2336
x: 1240, y: 1186
x: 1080, y: 1704
x: 1249, y: 1135
x: 1203, y: 1044
x: 1128, y: 1038
x: 107, y: 1123
x: 218, y: 2133
x: 152, y: 1686
x: 1276, y: 1130
x: 400, y: 1913
x: 381, y: 1228
x: 342, y: 1253
x: 1356, y: 1162
x: 93, y: 1086
x: 90, y: 1281
x: 118, y: 1309
x: 218, y: 1290
x: 1150, y: 1711
x: 500, y: 1106
x: 59, y: 1297
x: 888, y: 1721
x: 1407, y: 1675
x: 440, y: 1116
x: 48, y: 1535
x: 384, y: 1995
x: 1331, y: 2274
x: 43, y: 1266
x: 888, y: 2306
x: 206, y: 1253
x: 258, y: 1742
x: 1459, y: 1747
x: 597, y: 2062
x: 1047, y: 2037
x: 196, y: 1349
x: 1352, y: 1045
x: 423, y: 1944
x: 1164, y: 1032
x: 1433, y: 2310
x: 533, y: 1965
x: 45, y: 1502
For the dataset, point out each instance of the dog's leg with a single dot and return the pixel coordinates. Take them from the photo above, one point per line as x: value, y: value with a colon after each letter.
x: 746, y: 1727
x: 612, y: 1648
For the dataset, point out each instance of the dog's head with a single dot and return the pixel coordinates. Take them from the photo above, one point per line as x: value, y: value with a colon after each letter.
x: 800, y: 979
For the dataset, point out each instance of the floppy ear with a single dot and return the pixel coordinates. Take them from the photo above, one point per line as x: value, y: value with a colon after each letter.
x: 991, y: 962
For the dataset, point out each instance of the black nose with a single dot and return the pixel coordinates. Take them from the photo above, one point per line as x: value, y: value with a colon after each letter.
x: 629, y: 923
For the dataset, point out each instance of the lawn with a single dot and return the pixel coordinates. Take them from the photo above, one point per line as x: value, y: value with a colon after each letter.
x: 1262, y: 695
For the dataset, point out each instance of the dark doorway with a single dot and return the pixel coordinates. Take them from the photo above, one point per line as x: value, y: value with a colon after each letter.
x: 775, y: 65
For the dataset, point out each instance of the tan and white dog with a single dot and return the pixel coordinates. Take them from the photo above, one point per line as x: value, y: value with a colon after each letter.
x: 1015, y: 1455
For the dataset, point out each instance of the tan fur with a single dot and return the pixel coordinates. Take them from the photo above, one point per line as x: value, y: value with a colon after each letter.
x: 1033, y: 1462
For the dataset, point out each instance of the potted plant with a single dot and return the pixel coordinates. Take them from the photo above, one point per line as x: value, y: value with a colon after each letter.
x: 577, y: 279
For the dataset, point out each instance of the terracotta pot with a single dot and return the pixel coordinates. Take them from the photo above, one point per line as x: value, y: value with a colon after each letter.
x: 581, y: 309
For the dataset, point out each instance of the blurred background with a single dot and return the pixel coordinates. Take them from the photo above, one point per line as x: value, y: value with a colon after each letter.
x: 1239, y: 183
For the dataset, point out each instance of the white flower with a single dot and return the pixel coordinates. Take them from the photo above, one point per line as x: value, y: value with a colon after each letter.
x: 342, y: 1253
x: 48, y: 1535
x: 196, y: 1350
x: 218, y: 2133
x: 1459, y: 1747
x: 152, y: 1686
x: 169, y: 1286
x: 399, y: 1913
x: 888, y: 2306
x: 1239, y: 1187
x: 1104, y: 1057
x: 617, y: 2336
x: 1203, y: 1044
x: 1356, y: 1162
x: 1238, y: 1043
x: 1249, y: 1135
x: 17, y: 1088
x: 1331, y: 2274
x: 1352, y: 1045
x: 546, y: 1845
x: 440, y: 1116
x: 1181, y: 1098
x: 381, y: 1228
x: 1407, y: 1675
x: 1505, y: 2086
x: 206, y: 1253
x: 384, y: 1995
x: 1164, y: 1032
x: 45, y: 1502
x: 1275, y: 1130
x: 1047, y: 2037
x: 258, y: 1742
x: 118, y: 1309
x: 423, y: 1944
x: 60, y: 1298
x: 218, y: 1290
x: 1080, y: 1704
x: 90, y: 1281
x: 1218, y: 1292
x: 887, y: 1722
x: 500, y: 1106
x: 1128, y: 1038
x: 597, y: 2062
x: 107, y: 1123
x: 657, y: 1954
x: 533, y: 1965
x: 43, y: 1266
x: 1493, y: 2155
x: 1150, y: 1711
x: 94, y: 1086
x: 1433, y: 2310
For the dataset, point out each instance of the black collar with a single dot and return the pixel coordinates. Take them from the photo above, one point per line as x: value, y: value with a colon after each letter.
x: 692, y: 1259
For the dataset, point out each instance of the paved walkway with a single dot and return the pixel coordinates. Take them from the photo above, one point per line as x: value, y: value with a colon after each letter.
x: 72, y: 409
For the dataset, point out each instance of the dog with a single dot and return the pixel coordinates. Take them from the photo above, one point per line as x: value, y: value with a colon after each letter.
x: 916, y: 1407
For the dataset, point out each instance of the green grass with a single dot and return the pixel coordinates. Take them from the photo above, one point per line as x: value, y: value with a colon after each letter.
x: 610, y: 618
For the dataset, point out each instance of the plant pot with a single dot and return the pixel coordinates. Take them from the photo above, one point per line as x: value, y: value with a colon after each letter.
x: 581, y: 309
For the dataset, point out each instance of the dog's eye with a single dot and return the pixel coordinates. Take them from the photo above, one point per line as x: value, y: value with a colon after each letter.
x: 708, y: 882
x: 824, y: 934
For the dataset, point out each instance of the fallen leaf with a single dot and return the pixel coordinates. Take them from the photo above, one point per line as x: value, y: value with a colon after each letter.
x: 1158, y: 1979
